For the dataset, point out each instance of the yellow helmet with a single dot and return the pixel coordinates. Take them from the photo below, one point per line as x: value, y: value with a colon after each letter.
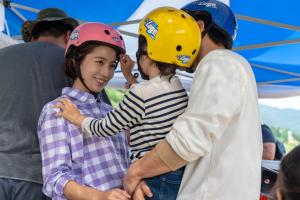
x: 172, y: 35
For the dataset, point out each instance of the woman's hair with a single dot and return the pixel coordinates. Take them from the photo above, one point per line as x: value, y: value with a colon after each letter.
x: 75, y: 56
x: 288, y: 181
x: 164, y: 68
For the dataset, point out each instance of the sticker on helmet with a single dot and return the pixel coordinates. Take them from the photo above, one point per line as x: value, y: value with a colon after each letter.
x: 116, y: 39
x: 74, y: 35
x: 207, y: 4
x: 184, y: 58
x: 152, y: 28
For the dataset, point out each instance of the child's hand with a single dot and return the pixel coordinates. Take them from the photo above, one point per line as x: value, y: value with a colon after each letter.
x: 69, y: 111
x: 127, y: 65
x: 116, y: 194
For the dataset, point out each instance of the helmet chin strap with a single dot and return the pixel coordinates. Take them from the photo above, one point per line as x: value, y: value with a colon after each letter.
x: 143, y: 75
x: 78, y: 72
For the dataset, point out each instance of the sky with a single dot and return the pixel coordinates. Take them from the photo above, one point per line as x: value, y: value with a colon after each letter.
x: 283, y: 103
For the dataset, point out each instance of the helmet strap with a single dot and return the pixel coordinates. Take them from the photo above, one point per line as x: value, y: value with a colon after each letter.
x: 78, y: 73
x: 143, y: 75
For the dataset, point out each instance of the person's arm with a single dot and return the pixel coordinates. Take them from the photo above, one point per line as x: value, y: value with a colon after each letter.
x: 129, y: 112
x: 269, y: 150
x: 215, y: 99
x: 269, y: 143
x: 59, y: 178
x: 75, y: 191
x: 152, y: 164
x: 56, y: 155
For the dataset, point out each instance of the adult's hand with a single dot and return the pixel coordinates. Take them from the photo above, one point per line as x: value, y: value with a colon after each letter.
x: 131, y: 179
x: 141, y: 191
x: 115, y: 194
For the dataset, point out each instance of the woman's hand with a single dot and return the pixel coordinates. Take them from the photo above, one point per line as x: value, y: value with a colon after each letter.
x: 116, y: 194
x: 69, y: 111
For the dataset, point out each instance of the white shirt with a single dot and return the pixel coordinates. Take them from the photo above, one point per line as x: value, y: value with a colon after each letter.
x: 219, y: 134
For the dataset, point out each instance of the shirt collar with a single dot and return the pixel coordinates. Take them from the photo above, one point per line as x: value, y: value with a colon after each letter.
x: 79, y: 95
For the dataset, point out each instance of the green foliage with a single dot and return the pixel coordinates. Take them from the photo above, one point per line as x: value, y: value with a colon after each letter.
x: 280, y: 133
x: 296, y: 136
x: 115, y: 95
x: 289, y: 138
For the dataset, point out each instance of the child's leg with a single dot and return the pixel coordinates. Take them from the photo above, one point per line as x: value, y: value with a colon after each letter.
x: 165, y: 186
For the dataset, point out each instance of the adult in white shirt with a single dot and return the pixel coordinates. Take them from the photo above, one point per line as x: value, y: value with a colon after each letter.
x: 218, y: 137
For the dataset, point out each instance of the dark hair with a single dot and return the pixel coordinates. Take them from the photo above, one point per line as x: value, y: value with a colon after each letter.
x: 26, y: 30
x: 288, y: 181
x: 75, y: 56
x: 50, y: 28
x: 216, y: 33
x: 164, y: 68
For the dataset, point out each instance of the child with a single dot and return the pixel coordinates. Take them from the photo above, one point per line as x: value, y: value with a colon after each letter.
x: 169, y: 39
x: 287, y: 186
x: 77, y: 166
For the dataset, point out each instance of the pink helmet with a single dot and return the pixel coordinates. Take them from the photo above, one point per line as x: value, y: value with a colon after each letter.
x: 95, y: 31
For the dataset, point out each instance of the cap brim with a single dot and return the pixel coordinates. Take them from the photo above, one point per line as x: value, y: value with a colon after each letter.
x: 68, y: 20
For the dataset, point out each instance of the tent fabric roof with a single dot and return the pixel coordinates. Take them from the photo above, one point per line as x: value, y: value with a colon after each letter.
x: 268, y: 34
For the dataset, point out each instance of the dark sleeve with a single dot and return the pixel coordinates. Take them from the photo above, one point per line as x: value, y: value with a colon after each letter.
x: 267, y: 134
x: 105, y: 97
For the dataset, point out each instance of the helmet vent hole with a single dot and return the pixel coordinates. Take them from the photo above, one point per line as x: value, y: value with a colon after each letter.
x: 194, y: 52
x: 170, y: 10
x: 183, y: 16
x: 121, y: 37
x: 107, y: 32
x: 178, y: 48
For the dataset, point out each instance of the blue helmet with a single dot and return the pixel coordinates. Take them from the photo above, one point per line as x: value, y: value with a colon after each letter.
x: 222, y: 16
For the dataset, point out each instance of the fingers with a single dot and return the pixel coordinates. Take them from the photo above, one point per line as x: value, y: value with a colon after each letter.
x: 66, y: 102
x: 146, y: 190
x: 118, y: 194
x: 58, y: 105
x: 138, y: 194
x: 123, y: 58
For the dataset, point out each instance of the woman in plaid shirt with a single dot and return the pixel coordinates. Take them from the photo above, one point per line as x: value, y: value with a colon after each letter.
x: 76, y: 166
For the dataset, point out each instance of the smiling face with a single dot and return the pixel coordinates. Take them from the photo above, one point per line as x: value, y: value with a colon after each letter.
x: 97, y: 68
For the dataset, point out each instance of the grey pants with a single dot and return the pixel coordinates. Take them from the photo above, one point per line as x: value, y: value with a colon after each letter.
x: 11, y: 189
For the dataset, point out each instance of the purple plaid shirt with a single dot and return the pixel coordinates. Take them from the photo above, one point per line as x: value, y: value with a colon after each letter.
x: 67, y: 154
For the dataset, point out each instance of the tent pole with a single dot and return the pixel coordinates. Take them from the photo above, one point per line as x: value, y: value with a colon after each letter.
x: 268, y: 44
x: 18, y: 14
x: 275, y: 70
x: 27, y: 8
x: 278, y: 81
x: 129, y: 33
x: 125, y: 23
x: 267, y: 22
x: 6, y: 28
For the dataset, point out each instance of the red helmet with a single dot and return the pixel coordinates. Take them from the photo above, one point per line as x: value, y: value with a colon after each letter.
x: 99, y: 32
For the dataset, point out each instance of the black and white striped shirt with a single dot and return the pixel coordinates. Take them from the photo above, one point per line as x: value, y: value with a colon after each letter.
x: 149, y: 110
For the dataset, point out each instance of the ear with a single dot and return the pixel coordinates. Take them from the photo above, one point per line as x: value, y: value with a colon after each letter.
x: 201, y: 25
x: 67, y: 36
x: 278, y: 194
